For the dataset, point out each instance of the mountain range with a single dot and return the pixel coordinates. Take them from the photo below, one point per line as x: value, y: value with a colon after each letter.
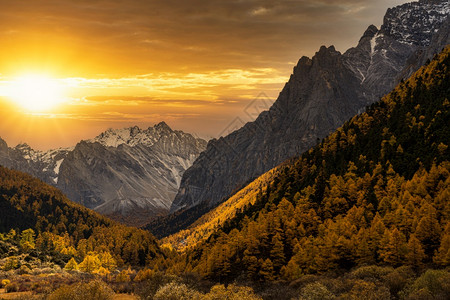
x: 321, y: 94
x: 129, y: 174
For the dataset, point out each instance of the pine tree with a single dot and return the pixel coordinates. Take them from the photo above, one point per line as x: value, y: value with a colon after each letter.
x: 428, y: 230
x: 416, y: 254
x: 251, y: 264
x: 71, y: 265
x: 108, y: 262
x: 442, y: 256
x: 27, y: 241
x: 90, y: 264
x: 394, y: 247
x: 266, y: 272
x: 277, y: 253
x: 363, y: 251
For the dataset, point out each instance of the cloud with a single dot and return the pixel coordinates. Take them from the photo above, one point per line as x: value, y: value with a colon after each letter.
x: 138, y: 36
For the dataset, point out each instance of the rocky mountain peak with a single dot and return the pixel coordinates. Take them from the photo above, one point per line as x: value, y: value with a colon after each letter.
x: 325, y: 51
x: 432, y: 1
x: 3, y: 145
x: 370, y: 31
x: 133, y: 136
x: 23, y: 146
x: 369, y: 34
x: 415, y: 23
x: 135, y: 130
x: 162, y: 126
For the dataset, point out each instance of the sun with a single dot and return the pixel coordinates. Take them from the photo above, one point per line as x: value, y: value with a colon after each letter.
x: 35, y: 92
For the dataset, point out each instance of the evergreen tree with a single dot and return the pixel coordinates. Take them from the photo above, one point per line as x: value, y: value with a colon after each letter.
x: 71, y: 265
x: 416, y: 254
x: 277, y: 253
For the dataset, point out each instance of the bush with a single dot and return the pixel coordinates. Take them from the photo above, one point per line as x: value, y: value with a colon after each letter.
x: 372, y: 273
x: 398, y: 279
x: 5, y: 282
x: 231, y: 292
x: 123, y: 276
x: 24, y: 270
x: 94, y: 290
x: 367, y: 290
x: 11, y: 263
x: 176, y: 291
x: 433, y: 284
x: 149, y: 287
x: 144, y: 274
x: 316, y: 291
x: 12, y: 287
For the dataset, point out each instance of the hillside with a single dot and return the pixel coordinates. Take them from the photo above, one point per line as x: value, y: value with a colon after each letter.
x: 375, y: 191
x: 321, y: 94
x: 202, y: 228
x: 28, y: 203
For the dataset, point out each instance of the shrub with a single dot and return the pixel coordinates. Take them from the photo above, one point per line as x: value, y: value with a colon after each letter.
x: 372, y: 273
x: 96, y: 289
x: 12, y: 287
x: 231, y: 292
x: 149, y: 287
x: 316, y: 291
x: 176, y: 291
x: 367, y: 290
x: 5, y: 282
x: 434, y: 283
x: 398, y: 279
x: 11, y: 263
x: 24, y: 270
x: 123, y: 276
x: 144, y: 274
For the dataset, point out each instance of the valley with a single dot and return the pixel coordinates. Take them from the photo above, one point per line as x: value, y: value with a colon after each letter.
x: 341, y: 190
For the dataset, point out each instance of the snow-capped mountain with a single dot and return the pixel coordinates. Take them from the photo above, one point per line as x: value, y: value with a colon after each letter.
x: 130, y: 174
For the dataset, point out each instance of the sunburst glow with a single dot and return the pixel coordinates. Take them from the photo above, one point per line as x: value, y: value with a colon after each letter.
x: 36, y: 93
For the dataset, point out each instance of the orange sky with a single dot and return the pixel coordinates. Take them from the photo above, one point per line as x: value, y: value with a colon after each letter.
x: 194, y: 64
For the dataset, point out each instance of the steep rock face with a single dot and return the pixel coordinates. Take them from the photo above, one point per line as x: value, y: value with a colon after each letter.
x: 129, y: 174
x: 322, y: 93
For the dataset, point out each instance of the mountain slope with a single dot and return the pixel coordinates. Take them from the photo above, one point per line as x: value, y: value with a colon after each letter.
x: 203, y: 227
x: 320, y: 95
x: 129, y: 174
x: 26, y: 202
x: 375, y: 191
